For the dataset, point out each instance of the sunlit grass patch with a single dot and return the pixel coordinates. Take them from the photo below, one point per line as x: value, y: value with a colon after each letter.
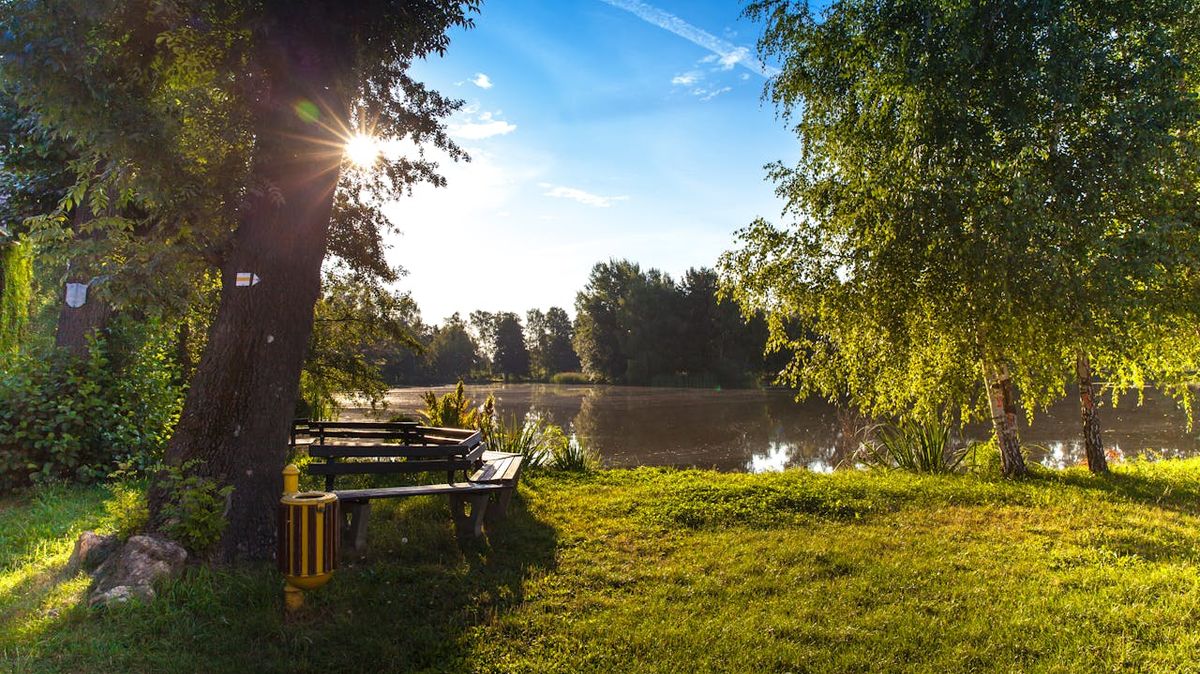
x: 658, y: 570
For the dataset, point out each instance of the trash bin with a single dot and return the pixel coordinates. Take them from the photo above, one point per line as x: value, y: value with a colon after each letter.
x: 309, y: 538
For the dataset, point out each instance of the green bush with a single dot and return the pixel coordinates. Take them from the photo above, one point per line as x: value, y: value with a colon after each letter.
x: 541, y: 444
x: 915, y: 446
x: 455, y: 410
x: 570, y: 378
x: 526, y: 438
x: 68, y: 418
x: 571, y: 453
x: 128, y: 509
x: 193, y: 512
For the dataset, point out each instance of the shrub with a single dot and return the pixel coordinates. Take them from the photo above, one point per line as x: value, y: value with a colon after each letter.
x: 573, y: 455
x: 128, y: 509
x: 527, y: 438
x: 570, y: 378
x: 68, y: 418
x: 541, y: 444
x: 456, y: 410
x: 915, y: 446
x: 193, y: 511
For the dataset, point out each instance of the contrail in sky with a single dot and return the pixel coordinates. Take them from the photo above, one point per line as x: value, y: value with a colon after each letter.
x: 728, y: 53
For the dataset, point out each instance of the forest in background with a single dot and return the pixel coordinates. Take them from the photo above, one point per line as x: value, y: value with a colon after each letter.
x: 632, y: 326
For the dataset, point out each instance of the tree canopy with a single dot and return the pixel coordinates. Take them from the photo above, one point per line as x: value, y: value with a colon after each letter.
x: 984, y: 189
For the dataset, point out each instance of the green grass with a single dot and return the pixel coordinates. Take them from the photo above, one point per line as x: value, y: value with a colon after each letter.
x: 655, y: 570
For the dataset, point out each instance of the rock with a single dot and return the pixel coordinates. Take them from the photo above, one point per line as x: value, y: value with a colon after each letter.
x: 91, y: 549
x: 121, y: 594
x: 132, y: 572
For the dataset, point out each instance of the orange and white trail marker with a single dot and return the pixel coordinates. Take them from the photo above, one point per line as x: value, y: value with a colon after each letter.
x: 245, y: 278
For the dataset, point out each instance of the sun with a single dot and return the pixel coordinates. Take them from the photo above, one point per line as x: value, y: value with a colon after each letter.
x: 362, y: 150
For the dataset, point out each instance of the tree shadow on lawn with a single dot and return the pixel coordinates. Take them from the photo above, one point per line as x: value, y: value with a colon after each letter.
x: 1170, y: 492
x: 411, y: 604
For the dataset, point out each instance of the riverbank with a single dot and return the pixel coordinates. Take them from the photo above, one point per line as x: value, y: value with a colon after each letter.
x: 767, y: 430
x: 654, y: 570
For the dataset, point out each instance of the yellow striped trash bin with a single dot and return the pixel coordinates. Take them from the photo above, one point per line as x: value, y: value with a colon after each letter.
x: 309, y: 539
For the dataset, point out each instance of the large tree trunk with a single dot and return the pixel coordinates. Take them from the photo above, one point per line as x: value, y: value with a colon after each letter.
x: 1003, y: 406
x: 77, y: 324
x: 238, y: 412
x: 1093, y: 443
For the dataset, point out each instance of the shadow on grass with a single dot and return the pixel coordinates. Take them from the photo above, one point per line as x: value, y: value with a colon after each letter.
x: 1159, y: 488
x: 411, y: 604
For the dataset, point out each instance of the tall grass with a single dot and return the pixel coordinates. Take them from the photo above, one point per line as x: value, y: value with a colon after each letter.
x: 527, y: 438
x: 914, y: 446
x: 574, y: 455
x: 542, y: 444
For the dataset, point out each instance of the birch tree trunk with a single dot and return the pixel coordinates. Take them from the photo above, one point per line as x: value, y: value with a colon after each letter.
x: 1093, y: 443
x: 1003, y: 406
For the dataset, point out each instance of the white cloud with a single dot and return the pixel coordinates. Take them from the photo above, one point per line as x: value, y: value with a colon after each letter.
x: 687, y: 79
x: 725, y: 52
x: 576, y: 194
x: 708, y: 95
x: 731, y: 59
x: 482, y: 81
x: 475, y: 125
x: 481, y: 130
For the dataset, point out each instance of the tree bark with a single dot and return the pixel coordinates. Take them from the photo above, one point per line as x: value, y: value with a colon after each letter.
x: 1093, y: 443
x: 238, y: 412
x: 1003, y: 406
x: 77, y: 324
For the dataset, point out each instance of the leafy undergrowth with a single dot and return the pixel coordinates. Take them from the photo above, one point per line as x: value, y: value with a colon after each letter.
x: 654, y: 570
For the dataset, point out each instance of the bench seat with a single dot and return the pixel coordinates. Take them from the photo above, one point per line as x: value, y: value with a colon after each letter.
x: 359, y: 495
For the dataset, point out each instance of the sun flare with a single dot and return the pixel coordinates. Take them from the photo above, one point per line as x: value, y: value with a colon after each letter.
x: 363, y: 150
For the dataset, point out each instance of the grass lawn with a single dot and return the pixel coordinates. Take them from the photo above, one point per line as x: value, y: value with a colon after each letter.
x: 666, y: 571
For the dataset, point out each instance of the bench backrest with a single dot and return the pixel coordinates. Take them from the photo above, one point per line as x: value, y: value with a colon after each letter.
x: 375, y: 448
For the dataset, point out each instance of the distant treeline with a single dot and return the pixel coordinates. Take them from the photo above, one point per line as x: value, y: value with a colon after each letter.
x: 632, y: 326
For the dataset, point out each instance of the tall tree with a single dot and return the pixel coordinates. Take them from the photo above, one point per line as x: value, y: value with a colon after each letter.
x: 220, y: 127
x: 483, y: 326
x: 955, y: 182
x: 597, y: 331
x: 510, y: 357
x: 548, y: 338
x: 558, y: 352
x: 316, y: 63
x: 452, y: 354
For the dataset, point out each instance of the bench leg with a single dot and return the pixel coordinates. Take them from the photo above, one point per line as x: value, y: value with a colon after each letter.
x: 498, y: 509
x: 354, y: 532
x: 469, y: 524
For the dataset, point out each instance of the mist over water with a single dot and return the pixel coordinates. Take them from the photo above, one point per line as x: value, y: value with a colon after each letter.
x: 757, y: 430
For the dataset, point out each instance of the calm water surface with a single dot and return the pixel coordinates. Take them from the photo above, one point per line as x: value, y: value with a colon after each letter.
x: 755, y: 430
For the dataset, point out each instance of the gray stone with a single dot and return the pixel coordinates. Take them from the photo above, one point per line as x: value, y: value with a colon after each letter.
x: 91, y: 549
x: 121, y: 594
x: 132, y: 572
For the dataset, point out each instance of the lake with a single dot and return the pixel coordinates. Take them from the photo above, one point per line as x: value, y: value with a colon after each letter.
x: 762, y: 430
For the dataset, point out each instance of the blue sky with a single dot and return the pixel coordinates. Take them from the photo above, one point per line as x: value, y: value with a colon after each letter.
x: 598, y: 129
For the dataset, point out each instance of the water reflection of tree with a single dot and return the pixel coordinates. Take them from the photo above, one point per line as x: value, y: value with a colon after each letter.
x: 656, y: 426
x: 726, y: 430
x: 813, y: 433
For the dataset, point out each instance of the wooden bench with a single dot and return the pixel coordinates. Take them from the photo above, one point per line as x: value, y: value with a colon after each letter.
x: 375, y: 448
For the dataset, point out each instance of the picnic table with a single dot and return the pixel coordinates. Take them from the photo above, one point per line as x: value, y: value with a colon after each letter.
x: 398, y: 447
